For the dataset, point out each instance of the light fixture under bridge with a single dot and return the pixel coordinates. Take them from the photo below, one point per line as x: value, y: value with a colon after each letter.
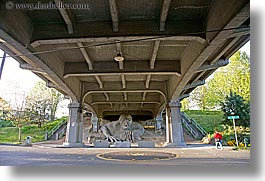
x: 119, y: 57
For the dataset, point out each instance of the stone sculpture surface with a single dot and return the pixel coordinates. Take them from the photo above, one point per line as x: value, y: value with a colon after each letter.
x: 124, y: 129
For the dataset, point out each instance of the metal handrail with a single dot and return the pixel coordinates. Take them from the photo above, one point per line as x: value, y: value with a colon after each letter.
x: 55, y: 128
x: 187, y: 117
x: 203, y: 132
x: 192, y: 121
x: 189, y: 128
x: 62, y: 132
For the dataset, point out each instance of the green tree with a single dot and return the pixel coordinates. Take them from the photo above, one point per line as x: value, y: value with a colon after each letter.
x: 235, y: 76
x: 198, y: 97
x: 56, y: 98
x: 185, y: 104
x: 234, y: 104
x: 4, y: 107
x: 43, y: 102
x: 19, y: 118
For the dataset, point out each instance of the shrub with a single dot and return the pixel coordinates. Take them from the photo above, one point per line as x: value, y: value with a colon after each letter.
x: 4, y: 123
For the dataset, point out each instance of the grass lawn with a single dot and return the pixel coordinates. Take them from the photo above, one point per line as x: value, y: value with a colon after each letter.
x: 10, y: 134
x: 209, y: 120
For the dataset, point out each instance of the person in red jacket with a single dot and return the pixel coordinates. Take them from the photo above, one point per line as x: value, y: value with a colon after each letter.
x: 218, y: 139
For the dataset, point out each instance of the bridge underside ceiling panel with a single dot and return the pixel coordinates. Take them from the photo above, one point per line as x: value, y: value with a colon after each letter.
x: 169, y: 48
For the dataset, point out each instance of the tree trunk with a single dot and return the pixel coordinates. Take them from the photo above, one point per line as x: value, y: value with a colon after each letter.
x: 19, y: 134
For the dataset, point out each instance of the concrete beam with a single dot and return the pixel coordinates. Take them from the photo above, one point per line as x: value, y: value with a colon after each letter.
x: 118, y: 49
x: 165, y: 67
x: 114, y: 15
x: 215, y: 43
x: 51, y: 85
x: 23, y: 50
x: 138, y: 97
x: 233, y: 49
x: 16, y: 22
x: 225, y: 49
x: 27, y: 66
x: 125, y: 96
x: 144, y: 96
x: 123, y: 80
x: 66, y: 17
x: 183, y: 96
x: 217, y: 64
x: 163, y: 15
x: 133, y: 109
x: 195, y: 84
x: 116, y: 91
x: 16, y: 54
x: 232, y: 9
x: 240, y: 32
x: 68, y: 75
x: 147, y: 82
x: 154, y: 54
x: 198, y: 76
x: 100, y: 83
x: 106, y: 96
x: 113, y: 40
x: 103, y: 29
x: 128, y: 102
x: 121, y: 65
x: 84, y: 53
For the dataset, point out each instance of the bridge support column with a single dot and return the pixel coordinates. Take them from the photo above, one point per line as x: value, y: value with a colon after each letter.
x: 74, y: 126
x: 86, y: 127
x: 174, y: 133
x: 159, y: 122
x: 168, y: 126
x: 95, y: 123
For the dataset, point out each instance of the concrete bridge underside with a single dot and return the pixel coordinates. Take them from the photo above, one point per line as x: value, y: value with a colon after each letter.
x: 169, y: 48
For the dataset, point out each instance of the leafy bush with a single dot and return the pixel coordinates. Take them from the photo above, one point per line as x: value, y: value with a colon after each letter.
x: 211, y: 120
x: 235, y: 105
x: 4, y: 123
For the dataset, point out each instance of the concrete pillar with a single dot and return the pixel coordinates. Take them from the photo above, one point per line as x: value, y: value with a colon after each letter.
x: 159, y: 121
x: 87, y: 125
x: 95, y: 123
x: 57, y: 136
x: 176, y: 137
x: 168, y: 126
x: 74, y: 126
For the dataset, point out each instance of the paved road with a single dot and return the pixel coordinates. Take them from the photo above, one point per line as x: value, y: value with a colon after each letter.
x: 48, y: 155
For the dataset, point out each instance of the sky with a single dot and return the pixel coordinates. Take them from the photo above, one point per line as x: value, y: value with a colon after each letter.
x: 15, y: 83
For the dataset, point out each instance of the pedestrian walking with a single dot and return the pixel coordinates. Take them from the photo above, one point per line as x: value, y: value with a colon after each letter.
x: 218, y: 137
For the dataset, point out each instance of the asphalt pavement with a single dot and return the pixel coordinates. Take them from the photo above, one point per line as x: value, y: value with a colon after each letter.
x: 55, y: 155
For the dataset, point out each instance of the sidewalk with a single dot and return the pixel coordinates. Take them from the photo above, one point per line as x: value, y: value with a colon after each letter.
x: 47, y: 154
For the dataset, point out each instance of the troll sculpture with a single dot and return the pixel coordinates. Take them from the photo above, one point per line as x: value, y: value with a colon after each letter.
x: 124, y: 129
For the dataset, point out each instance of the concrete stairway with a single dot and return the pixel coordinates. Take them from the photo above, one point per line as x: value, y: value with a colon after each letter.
x: 57, y: 132
x: 192, y: 127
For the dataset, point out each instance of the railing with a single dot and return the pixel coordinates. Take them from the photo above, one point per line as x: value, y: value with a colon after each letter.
x: 55, y: 128
x: 203, y: 132
x: 194, y: 123
x: 62, y: 132
x: 189, y: 128
x: 186, y: 116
